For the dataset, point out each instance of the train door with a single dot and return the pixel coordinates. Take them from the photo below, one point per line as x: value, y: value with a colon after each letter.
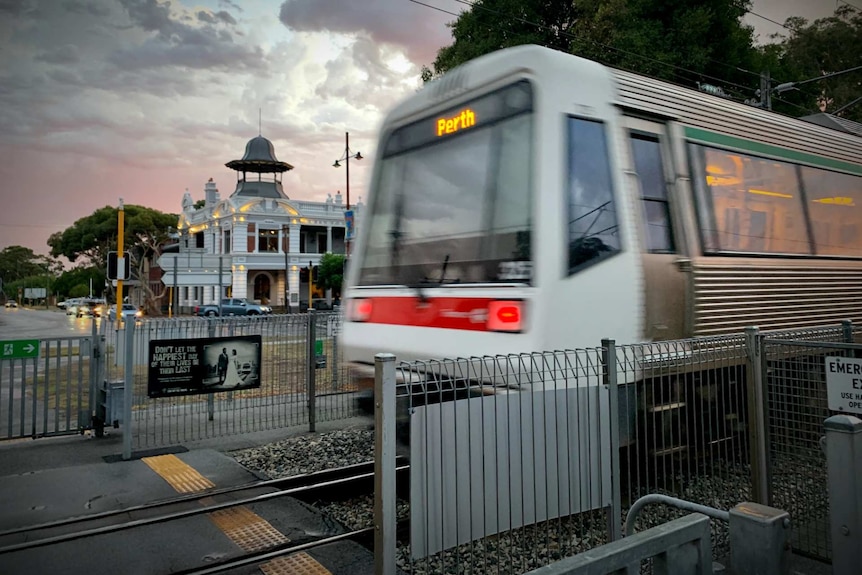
x: 653, y: 185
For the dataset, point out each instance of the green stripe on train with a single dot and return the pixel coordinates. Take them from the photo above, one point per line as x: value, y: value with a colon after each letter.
x: 723, y: 140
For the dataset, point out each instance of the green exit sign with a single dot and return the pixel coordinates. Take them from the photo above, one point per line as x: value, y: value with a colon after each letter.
x: 19, y: 348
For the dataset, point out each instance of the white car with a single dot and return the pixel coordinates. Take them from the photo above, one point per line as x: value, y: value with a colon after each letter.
x: 11, y: 303
x: 128, y: 310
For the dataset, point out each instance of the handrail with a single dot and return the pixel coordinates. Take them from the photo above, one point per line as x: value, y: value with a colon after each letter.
x: 673, y: 502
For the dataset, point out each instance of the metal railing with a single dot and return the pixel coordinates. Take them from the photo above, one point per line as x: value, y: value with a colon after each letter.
x: 302, y: 378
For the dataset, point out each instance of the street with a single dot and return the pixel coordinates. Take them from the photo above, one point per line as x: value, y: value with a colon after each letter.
x: 23, y: 323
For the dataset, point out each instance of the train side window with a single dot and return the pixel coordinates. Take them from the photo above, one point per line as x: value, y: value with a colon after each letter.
x: 835, y: 207
x: 749, y: 204
x: 593, y: 229
x: 646, y: 151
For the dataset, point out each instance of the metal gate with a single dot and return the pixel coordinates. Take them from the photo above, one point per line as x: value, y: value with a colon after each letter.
x: 50, y: 391
x: 795, y: 407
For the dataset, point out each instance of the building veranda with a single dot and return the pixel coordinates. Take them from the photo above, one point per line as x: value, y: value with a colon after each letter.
x: 256, y: 244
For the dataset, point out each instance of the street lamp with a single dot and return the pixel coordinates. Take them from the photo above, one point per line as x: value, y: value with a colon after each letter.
x: 346, y: 159
x: 348, y: 214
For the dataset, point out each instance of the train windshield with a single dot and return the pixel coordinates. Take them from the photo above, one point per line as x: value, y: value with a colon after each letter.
x: 453, y: 200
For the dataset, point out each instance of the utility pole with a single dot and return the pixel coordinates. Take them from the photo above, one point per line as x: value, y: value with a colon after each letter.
x: 121, y: 264
x: 765, y: 90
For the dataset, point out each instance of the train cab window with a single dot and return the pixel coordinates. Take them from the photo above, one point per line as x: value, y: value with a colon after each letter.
x: 593, y: 230
x: 749, y: 204
x: 646, y: 151
x: 835, y: 207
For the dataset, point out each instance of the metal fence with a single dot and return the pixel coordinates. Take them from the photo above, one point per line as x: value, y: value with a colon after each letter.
x: 509, y: 458
x: 302, y: 378
x: 518, y: 461
x: 793, y: 380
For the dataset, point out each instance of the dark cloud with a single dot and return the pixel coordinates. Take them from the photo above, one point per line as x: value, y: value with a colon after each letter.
x: 62, y: 55
x: 230, y: 4
x: 88, y: 8
x: 226, y: 17
x: 207, y: 17
x: 179, y: 44
x: 15, y: 7
x: 416, y: 29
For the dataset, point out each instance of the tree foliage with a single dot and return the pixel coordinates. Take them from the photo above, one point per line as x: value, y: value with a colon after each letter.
x: 823, y: 47
x: 679, y: 40
x: 18, y: 262
x: 330, y: 272
x: 92, y: 237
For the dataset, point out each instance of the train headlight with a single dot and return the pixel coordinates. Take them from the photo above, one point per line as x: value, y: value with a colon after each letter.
x: 359, y: 309
x: 506, y: 315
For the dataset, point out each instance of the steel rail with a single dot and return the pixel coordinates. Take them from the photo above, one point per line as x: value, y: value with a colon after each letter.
x: 183, y: 514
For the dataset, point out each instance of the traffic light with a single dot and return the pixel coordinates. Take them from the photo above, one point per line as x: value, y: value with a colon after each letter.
x: 125, y: 273
x: 315, y: 273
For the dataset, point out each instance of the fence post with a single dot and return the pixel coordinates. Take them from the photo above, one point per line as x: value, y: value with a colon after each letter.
x: 311, y: 368
x: 128, y: 387
x: 847, y: 328
x: 211, y: 396
x: 609, y: 362
x: 844, y: 469
x: 757, y: 416
x: 759, y: 540
x: 384, y: 464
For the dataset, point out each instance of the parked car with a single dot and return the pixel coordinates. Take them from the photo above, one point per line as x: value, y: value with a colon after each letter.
x: 11, y: 303
x: 233, y: 306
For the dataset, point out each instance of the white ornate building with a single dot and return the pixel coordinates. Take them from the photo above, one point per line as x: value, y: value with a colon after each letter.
x: 260, y: 240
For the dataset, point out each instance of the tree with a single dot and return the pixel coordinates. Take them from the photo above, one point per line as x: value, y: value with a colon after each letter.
x: 68, y: 282
x: 18, y: 262
x: 679, y: 40
x: 826, y: 46
x: 330, y: 272
x: 92, y: 237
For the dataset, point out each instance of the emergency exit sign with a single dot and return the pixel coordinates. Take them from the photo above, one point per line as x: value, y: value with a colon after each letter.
x: 19, y: 348
x: 844, y: 384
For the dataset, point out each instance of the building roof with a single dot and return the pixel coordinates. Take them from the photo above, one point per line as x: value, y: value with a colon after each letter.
x: 835, y: 122
x: 259, y: 158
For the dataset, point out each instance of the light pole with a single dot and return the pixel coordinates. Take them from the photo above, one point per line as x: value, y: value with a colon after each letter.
x: 348, y: 214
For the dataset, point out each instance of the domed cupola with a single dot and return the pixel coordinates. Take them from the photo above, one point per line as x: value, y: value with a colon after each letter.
x: 259, y: 159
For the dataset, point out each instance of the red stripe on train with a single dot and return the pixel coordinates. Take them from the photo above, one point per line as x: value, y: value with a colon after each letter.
x: 442, y: 312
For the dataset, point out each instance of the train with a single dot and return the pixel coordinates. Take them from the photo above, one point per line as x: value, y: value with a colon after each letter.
x: 534, y: 200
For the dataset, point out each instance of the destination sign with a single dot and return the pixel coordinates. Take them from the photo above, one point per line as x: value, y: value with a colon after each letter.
x: 486, y: 110
x: 446, y: 126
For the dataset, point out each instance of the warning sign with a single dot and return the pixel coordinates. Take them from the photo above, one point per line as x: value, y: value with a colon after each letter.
x: 844, y: 384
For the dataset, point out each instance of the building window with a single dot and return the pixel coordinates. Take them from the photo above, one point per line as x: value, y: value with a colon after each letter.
x: 199, y: 240
x: 227, y: 241
x: 251, y: 235
x: 267, y: 241
x: 321, y: 243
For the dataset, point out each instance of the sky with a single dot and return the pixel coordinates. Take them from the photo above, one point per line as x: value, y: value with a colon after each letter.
x: 143, y: 99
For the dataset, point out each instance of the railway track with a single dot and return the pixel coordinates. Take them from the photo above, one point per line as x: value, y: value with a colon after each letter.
x: 312, y: 488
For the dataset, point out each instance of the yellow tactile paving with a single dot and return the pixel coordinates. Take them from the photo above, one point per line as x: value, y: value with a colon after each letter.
x: 296, y: 564
x: 243, y: 526
x: 178, y: 474
x: 247, y: 529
